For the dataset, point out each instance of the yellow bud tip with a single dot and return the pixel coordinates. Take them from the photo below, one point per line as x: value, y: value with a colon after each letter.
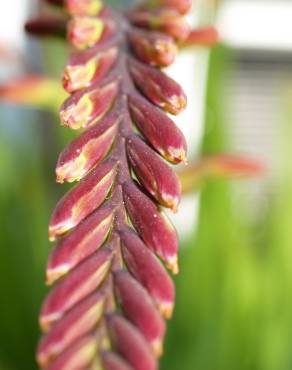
x: 47, y: 321
x: 56, y: 273
x: 166, y: 309
x: 172, y: 264
x: 157, y: 347
x: 58, y: 230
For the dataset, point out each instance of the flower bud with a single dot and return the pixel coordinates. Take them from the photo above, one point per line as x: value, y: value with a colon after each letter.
x: 147, y: 269
x: 47, y: 26
x: 80, y: 243
x: 82, y: 281
x: 139, y: 309
x: 181, y: 6
x: 88, y: 67
x: 163, y: 20
x: 130, y: 343
x: 83, y: 7
x: 112, y: 361
x: 153, y: 48
x: 158, y: 129
x: 156, y: 230
x: 79, y: 356
x: 88, y: 106
x: 82, y: 200
x: 87, y: 150
x: 75, y: 324
x: 155, y: 175
x: 158, y: 87
x: 85, y: 32
x: 56, y: 2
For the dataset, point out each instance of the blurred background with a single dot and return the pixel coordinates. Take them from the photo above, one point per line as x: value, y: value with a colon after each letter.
x: 234, y: 292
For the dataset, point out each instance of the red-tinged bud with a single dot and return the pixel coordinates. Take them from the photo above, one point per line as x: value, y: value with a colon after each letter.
x: 156, y: 176
x: 164, y: 20
x: 86, y: 107
x: 181, y: 6
x: 88, y: 67
x: 112, y: 361
x: 153, y: 48
x: 80, y: 243
x: 202, y: 37
x: 47, y: 26
x: 138, y: 307
x: 147, y: 269
x: 130, y: 343
x: 158, y: 87
x: 87, y: 150
x: 76, y: 286
x: 159, y: 130
x: 77, y: 357
x: 156, y: 230
x: 84, y: 7
x: 85, y: 32
x: 56, y: 2
x: 77, y: 323
x: 83, y: 199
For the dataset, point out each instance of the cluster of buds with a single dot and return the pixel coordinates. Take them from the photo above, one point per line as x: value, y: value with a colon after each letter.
x: 111, y: 290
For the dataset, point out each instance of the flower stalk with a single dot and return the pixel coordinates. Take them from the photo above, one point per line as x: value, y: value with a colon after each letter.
x: 111, y: 291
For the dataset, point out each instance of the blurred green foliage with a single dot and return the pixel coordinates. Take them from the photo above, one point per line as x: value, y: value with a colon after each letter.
x: 234, y: 292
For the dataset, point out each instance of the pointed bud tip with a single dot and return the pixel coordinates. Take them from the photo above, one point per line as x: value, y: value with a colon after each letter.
x: 54, y: 274
x: 46, y: 321
x: 166, y: 309
x: 172, y: 264
x: 157, y: 347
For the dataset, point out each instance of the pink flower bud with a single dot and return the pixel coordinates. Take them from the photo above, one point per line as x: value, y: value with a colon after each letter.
x: 155, y: 175
x: 79, y: 356
x: 88, y: 67
x: 82, y: 281
x: 158, y: 129
x: 80, y: 243
x: 181, y: 6
x: 112, y: 361
x: 146, y: 268
x: 163, y: 20
x: 83, y: 199
x: 139, y: 309
x: 83, y: 7
x: 75, y: 324
x: 153, y: 48
x: 88, y: 106
x: 87, y: 150
x: 154, y: 227
x: 130, y: 343
x: 158, y: 87
x: 85, y: 32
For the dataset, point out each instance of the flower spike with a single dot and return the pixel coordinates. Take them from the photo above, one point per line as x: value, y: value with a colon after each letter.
x: 111, y: 290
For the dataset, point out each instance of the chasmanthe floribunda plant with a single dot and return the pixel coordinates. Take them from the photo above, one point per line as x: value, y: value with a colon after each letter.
x: 111, y: 290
